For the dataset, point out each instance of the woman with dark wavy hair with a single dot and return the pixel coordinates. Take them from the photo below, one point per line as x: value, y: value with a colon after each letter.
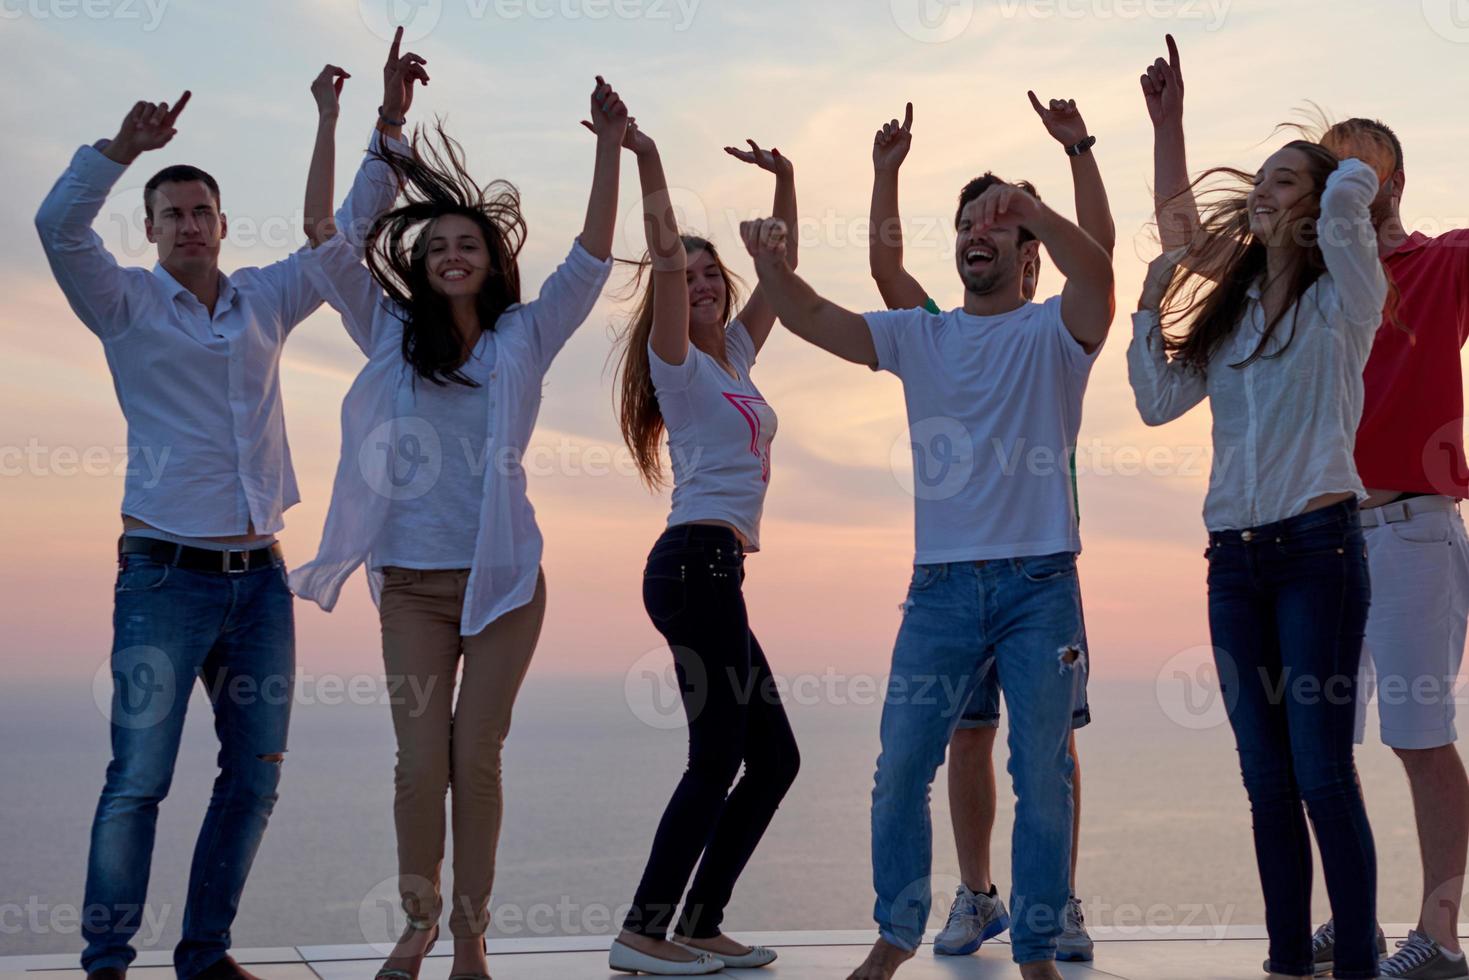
x: 684, y: 373
x: 1271, y: 318
x: 430, y: 493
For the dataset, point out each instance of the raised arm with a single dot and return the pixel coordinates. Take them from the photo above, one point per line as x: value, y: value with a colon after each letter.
x: 94, y: 284
x: 758, y: 316
x: 1164, y: 389
x: 1173, y: 200
x: 326, y: 88
x: 1087, y: 300
x: 609, y: 123
x: 900, y: 291
x: 804, y: 313
x: 1063, y: 121
x: 670, y: 335
x: 1349, y: 243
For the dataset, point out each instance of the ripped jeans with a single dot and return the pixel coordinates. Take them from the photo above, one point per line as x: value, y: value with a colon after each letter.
x: 172, y: 626
x: 1022, y: 618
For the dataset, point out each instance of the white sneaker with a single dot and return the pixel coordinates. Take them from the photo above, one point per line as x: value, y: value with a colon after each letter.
x: 628, y: 960
x: 973, y: 918
x: 1074, y: 945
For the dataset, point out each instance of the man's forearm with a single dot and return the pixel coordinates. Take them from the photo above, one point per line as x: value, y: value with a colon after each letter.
x: 884, y: 228
x: 1093, y: 213
x: 319, y: 180
x: 1078, y: 256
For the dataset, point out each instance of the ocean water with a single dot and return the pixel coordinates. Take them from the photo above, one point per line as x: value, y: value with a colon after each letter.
x: 588, y: 766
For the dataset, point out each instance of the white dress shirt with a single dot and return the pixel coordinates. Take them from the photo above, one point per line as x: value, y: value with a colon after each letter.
x: 376, y: 435
x: 206, y: 436
x: 1284, y: 426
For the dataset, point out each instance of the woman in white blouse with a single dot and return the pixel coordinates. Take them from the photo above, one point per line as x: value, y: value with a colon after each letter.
x: 1272, y: 319
x: 685, y: 373
x: 431, y: 496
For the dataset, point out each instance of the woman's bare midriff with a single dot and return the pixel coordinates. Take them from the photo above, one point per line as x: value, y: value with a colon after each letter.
x: 737, y: 534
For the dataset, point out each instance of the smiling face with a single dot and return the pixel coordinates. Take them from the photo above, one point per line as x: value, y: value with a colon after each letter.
x: 989, y: 260
x: 186, y: 224
x: 708, y: 293
x: 456, y: 259
x: 1283, y: 190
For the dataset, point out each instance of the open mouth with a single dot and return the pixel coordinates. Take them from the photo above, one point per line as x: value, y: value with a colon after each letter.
x: 979, y: 257
x: 704, y: 301
x: 454, y: 275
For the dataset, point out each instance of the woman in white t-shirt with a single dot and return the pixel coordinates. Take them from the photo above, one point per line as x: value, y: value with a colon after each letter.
x: 430, y: 493
x: 685, y: 371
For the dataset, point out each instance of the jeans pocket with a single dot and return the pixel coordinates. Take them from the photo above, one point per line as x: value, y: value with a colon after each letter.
x: 1326, y: 540
x: 665, y: 596
x: 923, y: 577
x: 1429, y: 528
x: 1047, y: 568
x: 140, y: 574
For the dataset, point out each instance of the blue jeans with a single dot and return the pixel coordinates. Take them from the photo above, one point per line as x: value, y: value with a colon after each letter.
x: 1022, y: 618
x: 171, y: 626
x: 1287, y: 610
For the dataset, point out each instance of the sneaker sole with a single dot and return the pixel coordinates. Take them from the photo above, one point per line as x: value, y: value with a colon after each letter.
x: 990, y: 932
x: 1074, y: 955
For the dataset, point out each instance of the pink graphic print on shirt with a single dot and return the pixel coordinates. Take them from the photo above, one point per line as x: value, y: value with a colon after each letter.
x: 749, y: 408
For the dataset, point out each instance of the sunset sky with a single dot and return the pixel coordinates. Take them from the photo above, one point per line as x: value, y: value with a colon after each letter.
x: 511, y: 79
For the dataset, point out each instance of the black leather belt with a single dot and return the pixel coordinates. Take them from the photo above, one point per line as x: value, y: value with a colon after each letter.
x: 199, y: 559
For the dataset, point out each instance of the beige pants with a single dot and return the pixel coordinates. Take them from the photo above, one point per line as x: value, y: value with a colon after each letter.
x: 441, y: 743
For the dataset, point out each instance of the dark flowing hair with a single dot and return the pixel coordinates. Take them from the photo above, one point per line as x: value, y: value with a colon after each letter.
x: 638, y: 415
x: 435, y: 184
x: 1206, y: 300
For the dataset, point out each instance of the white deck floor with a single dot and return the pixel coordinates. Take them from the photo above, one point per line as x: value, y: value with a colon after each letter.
x: 1136, y: 954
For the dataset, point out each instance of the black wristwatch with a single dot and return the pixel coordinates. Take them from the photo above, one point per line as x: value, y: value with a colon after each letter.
x: 1082, y: 147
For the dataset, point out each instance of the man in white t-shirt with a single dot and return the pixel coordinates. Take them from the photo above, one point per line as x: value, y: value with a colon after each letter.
x: 994, y: 392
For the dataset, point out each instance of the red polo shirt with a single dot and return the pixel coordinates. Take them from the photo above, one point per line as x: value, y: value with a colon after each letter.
x: 1411, y: 436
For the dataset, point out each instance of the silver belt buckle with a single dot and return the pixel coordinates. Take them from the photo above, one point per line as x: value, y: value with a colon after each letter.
x: 228, y: 562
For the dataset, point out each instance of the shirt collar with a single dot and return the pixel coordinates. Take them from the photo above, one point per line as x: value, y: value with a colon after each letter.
x: 226, y: 288
x: 1415, y: 241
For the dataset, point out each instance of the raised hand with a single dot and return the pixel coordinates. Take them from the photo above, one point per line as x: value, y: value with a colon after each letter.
x: 400, y: 71
x: 765, y: 240
x: 609, y: 114
x: 1006, y: 205
x: 147, y: 126
x: 890, y: 144
x: 326, y: 88
x: 770, y: 159
x: 1062, y: 119
x: 634, y: 139
x: 1163, y: 87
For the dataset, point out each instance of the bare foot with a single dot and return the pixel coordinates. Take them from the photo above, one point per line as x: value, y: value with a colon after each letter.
x: 882, y: 962
x: 412, y: 947
x: 661, y: 948
x: 469, y: 958
x: 1039, y: 970
x: 715, y: 944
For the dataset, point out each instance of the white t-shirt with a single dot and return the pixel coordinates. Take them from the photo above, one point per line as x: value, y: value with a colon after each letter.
x: 445, y: 426
x: 994, y: 408
x: 719, y: 432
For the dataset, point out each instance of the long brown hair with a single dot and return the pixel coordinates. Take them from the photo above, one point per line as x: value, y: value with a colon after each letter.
x: 1205, y: 302
x: 638, y: 415
x: 436, y: 183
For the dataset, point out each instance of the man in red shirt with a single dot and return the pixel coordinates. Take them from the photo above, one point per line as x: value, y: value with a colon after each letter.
x: 1410, y: 455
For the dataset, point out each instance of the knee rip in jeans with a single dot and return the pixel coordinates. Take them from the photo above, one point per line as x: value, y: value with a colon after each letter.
x: 1071, y: 657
